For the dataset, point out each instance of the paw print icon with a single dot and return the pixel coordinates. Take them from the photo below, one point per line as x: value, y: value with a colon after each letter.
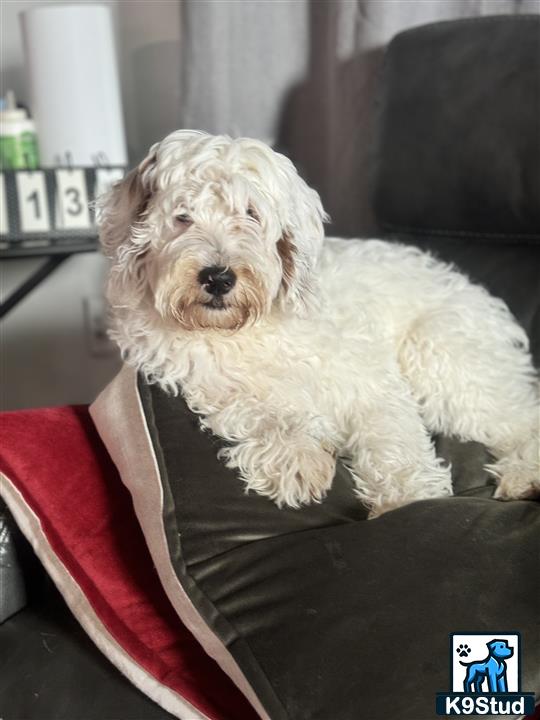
x: 463, y: 650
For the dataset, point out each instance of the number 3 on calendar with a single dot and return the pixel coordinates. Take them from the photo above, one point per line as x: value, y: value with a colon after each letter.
x: 72, y: 200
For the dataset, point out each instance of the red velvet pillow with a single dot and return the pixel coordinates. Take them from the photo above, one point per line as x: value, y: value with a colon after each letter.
x: 65, y: 495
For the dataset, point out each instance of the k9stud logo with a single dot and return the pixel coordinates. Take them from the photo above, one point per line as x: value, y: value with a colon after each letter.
x: 485, y: 676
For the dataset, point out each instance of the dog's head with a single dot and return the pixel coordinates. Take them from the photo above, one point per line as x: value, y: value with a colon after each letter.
x: 211, y: 233
x: 500, y: 649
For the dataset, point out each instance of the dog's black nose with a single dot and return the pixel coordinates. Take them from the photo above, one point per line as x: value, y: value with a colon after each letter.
x: 217, y: 280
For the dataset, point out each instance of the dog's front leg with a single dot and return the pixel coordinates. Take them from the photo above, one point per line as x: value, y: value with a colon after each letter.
x: 501, y: 683
x: 392, y: 457
x: 277, y: 453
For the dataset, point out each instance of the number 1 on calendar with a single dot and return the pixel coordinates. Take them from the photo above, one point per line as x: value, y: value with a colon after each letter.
x: 33, y: 205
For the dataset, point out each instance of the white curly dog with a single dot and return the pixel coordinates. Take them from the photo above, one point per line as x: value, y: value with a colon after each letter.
x: 296, y: 349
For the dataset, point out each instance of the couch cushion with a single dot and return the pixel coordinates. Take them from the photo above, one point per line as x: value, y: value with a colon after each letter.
x: 311, y: 604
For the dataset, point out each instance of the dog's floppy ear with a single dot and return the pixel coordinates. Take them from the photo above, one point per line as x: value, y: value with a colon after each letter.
x: 121, y: 213
x: 300, y: 245
x: 123, y: 206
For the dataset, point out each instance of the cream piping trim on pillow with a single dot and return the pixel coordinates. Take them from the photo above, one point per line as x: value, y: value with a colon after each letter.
x: 30, y: 526
x: 119, y: 418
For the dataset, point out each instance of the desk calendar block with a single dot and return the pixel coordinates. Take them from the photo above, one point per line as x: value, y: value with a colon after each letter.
x: 34, y: 213
x: 49, y: 211
x: 72, y: 200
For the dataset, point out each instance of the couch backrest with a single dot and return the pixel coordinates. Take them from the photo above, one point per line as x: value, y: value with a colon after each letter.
x: 458, y: 151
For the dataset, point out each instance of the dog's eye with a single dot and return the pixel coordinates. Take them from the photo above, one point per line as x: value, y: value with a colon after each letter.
x: 183, y: 219
x: 252, y: 213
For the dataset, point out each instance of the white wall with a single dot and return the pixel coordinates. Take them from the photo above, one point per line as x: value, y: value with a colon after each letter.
x: 150, y: 69
x: 50, y: 350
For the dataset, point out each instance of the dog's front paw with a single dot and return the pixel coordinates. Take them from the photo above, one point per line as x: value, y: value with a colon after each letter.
x: 294, y: 474
x: 313, y: 478
x: 518, y: 474
x: 516, y: 486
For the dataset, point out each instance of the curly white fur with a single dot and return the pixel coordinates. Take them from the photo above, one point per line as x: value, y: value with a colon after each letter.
x: 323, y: 348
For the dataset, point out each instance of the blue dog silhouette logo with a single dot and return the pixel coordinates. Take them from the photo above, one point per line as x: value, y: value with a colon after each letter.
x: 491, y: 670
x: 485, y: 676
